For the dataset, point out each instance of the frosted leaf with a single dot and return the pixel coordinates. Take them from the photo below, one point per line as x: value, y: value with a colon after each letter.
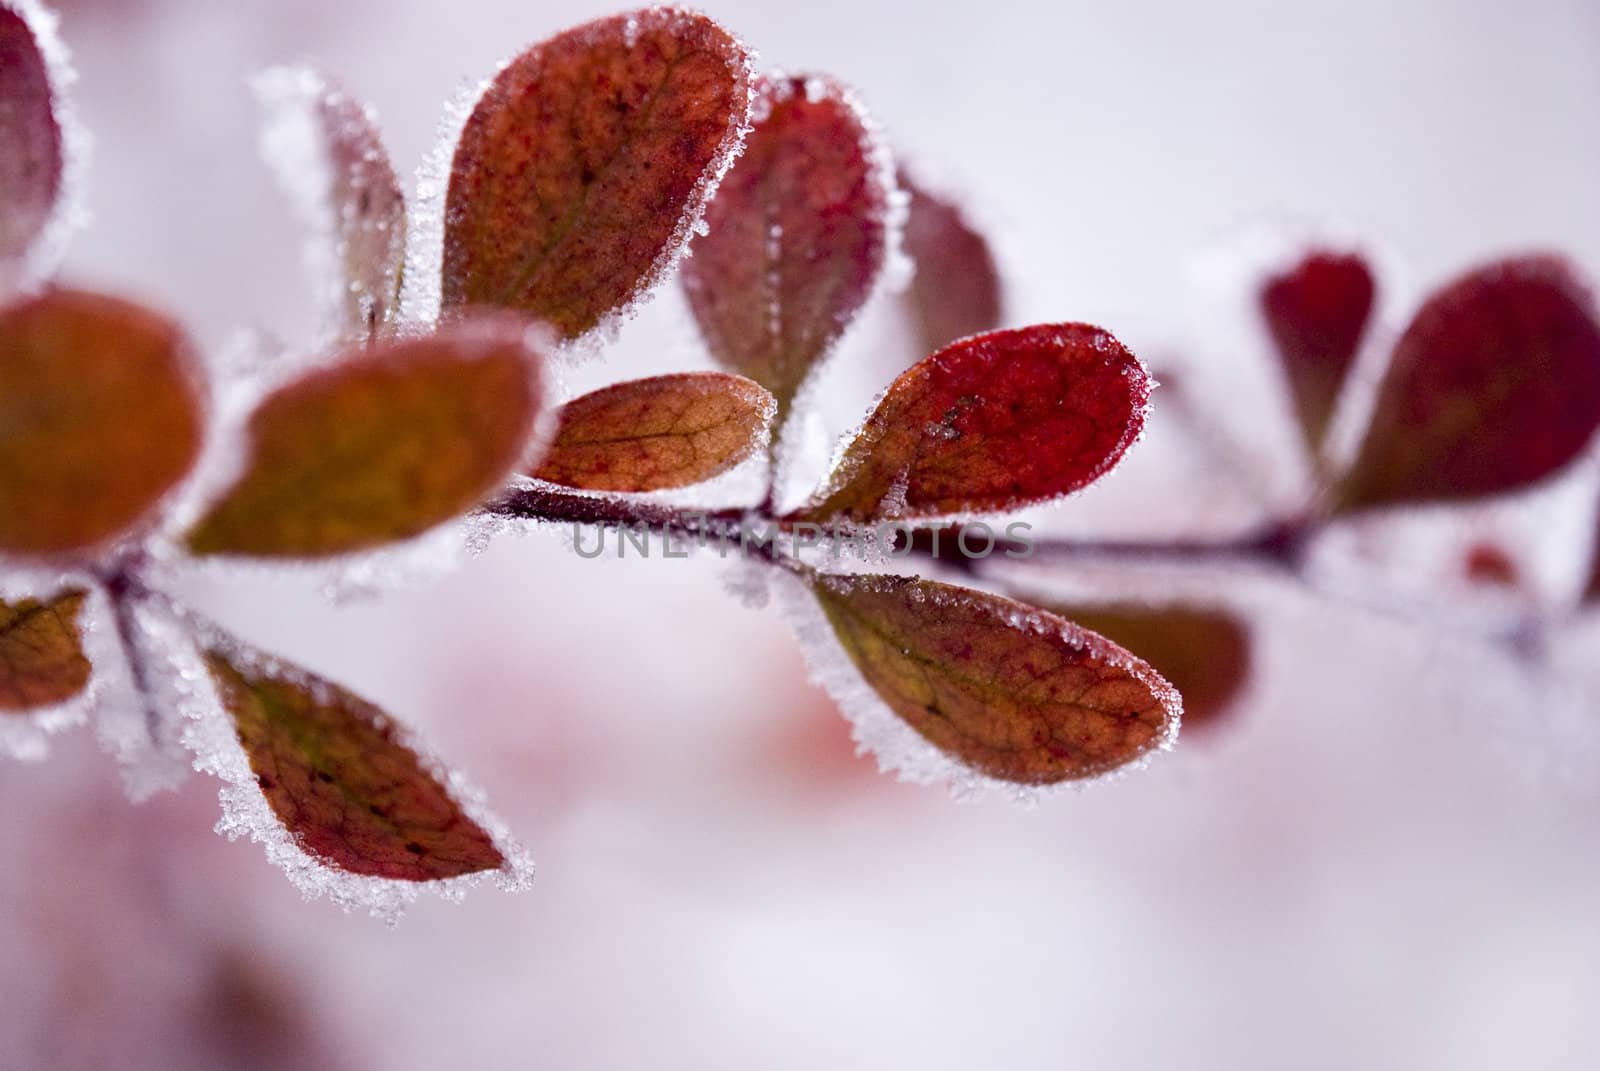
x: 570, y: 195
x: 800, y: 236
x: 54, y: 208
x: 25, y: 735
x: 328, y: 155
x: 1081, y: 734
x: 990, y: 424
x: 212, y: 735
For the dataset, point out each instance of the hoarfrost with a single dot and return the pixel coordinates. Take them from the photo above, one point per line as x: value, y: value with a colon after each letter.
x: 141, y: 716
x: 423, y: 284
x: 294, y: 148
x: 421, y: 290
x: 901, y: 750
x: 26, y: 735
x: 210, y: 734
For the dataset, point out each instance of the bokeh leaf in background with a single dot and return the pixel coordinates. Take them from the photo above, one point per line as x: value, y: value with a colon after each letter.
x: 32, y: 163
x: 956, y: 290
x: 386, y: 442
x: 1317, y: 313
x: 1493, y: 387
x: 586, y: 163
x: 1204, y: 652
x: 100, y: 415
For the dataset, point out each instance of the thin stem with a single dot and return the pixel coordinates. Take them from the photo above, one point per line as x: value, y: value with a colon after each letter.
x: 1279, y: 544
x: 124, y: 588
x: 705, y: 527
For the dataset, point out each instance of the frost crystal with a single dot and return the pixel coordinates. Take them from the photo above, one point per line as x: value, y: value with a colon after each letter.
x: 422, y: 287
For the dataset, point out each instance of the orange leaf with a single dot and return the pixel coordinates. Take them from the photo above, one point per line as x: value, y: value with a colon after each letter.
x: 1014, y: 692
x: 1204, y: 653
x: 99, y: 417
x: 654, y: 434
x: 956, y: 291
x: 1494, y: 386
x: 1317, y: 314
x: 390, y: 440
x: 41, y: 651
x: 797, y: 236
x: 31, y: 165
x: 990, y: 424
x: 582, y: 169
x: 343, y: 783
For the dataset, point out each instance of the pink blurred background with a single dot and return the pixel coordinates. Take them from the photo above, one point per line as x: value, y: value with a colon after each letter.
x: 1386, y: 857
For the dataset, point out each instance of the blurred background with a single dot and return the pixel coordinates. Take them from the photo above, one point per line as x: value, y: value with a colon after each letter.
x: 1385, y: 855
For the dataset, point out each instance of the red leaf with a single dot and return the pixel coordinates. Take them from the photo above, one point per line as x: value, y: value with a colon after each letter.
x: 32, y: 161
x: 1204, y: 653
x: 1494, y: 386
x: 1591, y: 591
x: 582, y: 170
x: 342, y: 781
x: 1486, y: 563
x: 991, y: 424
x: 99, y: 417
x: 658, y: 433
x: 363, y: 205
x: 798, y: 235
x: 956, y: 291
x: 41, y: 651
x: 1317, y: 313
x: 390, y: 440
x: 1014, y: 692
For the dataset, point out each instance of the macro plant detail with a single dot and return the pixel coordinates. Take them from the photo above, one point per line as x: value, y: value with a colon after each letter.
x: 592, y: 168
